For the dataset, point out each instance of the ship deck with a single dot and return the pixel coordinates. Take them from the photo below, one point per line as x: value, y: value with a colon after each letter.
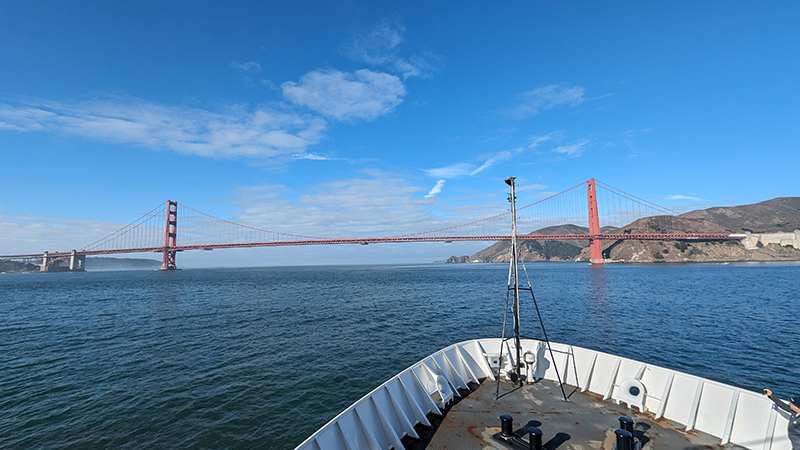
x: 583, y: 422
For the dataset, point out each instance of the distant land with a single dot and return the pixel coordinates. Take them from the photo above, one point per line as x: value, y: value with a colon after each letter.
x: 92, y: 263
x: 770, y: 226
x: 16, y: 267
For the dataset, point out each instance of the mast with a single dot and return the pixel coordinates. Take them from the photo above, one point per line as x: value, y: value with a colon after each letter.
x: 513, y: 271
x: 515, y: 274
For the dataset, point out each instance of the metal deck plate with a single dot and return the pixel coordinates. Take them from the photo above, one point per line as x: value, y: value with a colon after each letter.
x: 582, y: 423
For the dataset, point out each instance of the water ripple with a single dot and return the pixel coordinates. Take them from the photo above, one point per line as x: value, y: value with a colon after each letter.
x: 260, y: 358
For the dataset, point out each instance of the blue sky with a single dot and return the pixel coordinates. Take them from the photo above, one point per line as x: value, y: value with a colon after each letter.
x: 378, y: 118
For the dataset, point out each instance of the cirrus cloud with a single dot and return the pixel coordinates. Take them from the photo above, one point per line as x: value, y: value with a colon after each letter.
x: 531, y: 187
x: 380, y: 46
x: 232, y: 132
x: 537, y: 100
x: 345, y: 96
x: 249, y: 66
x: 681, y: 197
x: 572, y: 150
x: 467, y: 169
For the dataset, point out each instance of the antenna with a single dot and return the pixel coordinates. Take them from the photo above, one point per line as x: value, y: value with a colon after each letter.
x: 513, y: 285
x: 512, y: 198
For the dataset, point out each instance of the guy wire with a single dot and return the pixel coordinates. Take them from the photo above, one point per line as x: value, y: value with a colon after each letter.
x: 541, y: 322
x: 503, y: 337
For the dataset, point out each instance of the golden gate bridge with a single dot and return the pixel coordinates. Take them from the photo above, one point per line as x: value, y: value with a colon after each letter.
x: 607, y: 214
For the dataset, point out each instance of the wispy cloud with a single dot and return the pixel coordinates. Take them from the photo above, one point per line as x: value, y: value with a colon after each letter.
x: 572, y: 150
x: 681, y: 197
x: 345, y: 96
x: 530, y: 187
x: 340, y: 208
x: 24, y: 234
x: 279, y: 130
x: 377, y: 45
x: 537, y: 100
x: 381, y: 45
x: 249, y: 66
x: 336, y: 208
x: 436, y: 189
x: 467, y: 169
x: 535, y: 141
x: 452, y: 171
x: 234, y: 131
x: 483, y: 166
x: 314, y: 157
x: 628, y: 137
x: 248, y: 71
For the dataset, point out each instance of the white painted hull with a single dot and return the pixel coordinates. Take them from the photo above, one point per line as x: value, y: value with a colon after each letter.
x: 380, y: 419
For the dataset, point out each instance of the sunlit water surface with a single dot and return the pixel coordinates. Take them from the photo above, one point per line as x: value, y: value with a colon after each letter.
x: 261, y: 358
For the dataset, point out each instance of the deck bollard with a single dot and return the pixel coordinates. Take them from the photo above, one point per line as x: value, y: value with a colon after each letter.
x: 535, y: 437
x: 624, y: 440
x: 626, y: 423
x: 506, y: 426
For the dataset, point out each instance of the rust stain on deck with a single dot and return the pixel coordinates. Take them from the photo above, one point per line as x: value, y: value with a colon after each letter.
x: 479, y: 415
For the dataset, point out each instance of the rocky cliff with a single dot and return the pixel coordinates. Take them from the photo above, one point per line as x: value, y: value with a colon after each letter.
x: 771, y: 216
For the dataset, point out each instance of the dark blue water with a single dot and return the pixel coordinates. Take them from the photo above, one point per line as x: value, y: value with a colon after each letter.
x: 260, y: 358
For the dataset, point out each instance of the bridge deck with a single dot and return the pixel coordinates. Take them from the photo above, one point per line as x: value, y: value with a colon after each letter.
x: 395, y: 239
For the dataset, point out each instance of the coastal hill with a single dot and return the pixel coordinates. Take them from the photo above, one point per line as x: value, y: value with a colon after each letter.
x: 771, y: 216
x: 778, y: 214
x: 566, y: 250
x: 16, y: 267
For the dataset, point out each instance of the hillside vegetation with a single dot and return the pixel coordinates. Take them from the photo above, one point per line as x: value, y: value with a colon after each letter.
x: 776, y: 215
x: 7, y: 266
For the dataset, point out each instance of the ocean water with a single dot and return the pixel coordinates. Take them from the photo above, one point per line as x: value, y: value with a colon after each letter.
x: 262, y: 357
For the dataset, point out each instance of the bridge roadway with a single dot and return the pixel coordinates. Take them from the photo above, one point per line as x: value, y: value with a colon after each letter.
x: 401, y: 239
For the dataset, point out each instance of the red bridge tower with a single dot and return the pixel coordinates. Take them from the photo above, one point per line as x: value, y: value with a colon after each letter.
x: 595, y: 243
x: 170, y: 233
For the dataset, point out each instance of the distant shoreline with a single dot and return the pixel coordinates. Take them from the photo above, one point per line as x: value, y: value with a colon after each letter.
x: 98, y: 263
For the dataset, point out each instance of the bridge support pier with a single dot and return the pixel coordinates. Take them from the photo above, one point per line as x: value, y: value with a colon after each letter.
x: 77, y: 263
x: 63, y: 263
x: 595, y: 243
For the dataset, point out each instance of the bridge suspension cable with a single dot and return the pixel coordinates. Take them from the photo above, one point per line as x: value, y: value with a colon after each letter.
x: 141, y: 233
x: 198, y: 228
x: 562, y: 216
